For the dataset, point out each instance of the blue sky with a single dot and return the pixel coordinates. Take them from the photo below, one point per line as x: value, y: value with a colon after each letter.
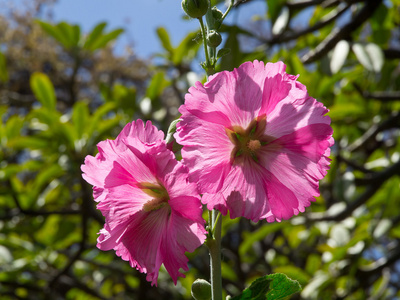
x: 139, y: 18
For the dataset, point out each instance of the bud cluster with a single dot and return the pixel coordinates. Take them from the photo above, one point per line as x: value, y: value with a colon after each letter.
x: 210, y: 33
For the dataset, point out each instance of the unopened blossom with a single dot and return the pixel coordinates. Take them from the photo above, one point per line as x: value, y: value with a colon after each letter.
x: 255, y: 142
x: 152, y: 213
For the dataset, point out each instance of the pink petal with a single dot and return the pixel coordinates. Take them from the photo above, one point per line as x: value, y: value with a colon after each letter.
x: 290, y: 115
x: 206, y: 153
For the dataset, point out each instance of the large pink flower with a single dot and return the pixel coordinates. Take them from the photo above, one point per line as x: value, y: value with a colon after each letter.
x: 152, y: 213
x: 255, y: 142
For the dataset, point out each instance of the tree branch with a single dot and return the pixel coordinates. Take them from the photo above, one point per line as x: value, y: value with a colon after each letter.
x: 371, y: 189
x: 303, y: 3
x: 382, y: 96
x: 333, y: 15
x: 393, y: 121
x: 339, y: 34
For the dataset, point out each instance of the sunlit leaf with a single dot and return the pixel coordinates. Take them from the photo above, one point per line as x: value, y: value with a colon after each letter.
x: 281, y: 22
x: 94, y: 35
x: 80, y: 114
x: 55, y: 32
x: 104, y: 39
x: 43, y: 90
x: 271, y: 287
x: 156, y: 86
x: 339, y: 56
x: 376, y: 56
x: 186, y: 49
x: 165, y: 40
x: 370, y: 56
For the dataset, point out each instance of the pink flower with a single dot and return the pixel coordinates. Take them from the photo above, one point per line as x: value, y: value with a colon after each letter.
x: 255, y: 142
x: 152, y: 213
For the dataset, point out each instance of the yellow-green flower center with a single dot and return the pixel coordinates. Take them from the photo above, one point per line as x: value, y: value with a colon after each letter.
x: 249, y: 141
x: 159, y: 196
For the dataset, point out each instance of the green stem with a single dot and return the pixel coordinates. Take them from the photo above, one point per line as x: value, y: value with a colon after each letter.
x: 227, y: 11
x: 208, y: 66
x: 214, y: 246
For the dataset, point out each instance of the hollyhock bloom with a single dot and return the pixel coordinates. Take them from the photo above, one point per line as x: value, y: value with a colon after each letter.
x: 152, y: 213
x: 255, y: 142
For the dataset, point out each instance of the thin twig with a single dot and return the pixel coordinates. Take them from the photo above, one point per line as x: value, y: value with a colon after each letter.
x: 393, y: 121
x: 339, y: 34
x: 381, y: 95
x: 371, y: 189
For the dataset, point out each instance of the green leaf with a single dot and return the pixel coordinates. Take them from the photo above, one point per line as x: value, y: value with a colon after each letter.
x: 250, y: 238
x: 80, y: 114
x: 223, y: 52
x: 187, y: 49
x: 103, y: 40
x: 270, y: 287
x: 14, y: 126
x: 234, y: 59
x: 72, y: 34
x: 28, y: 142
x: 156, y: 86
x: 98, y: 115
x: 3, y: 68
x: 43, y: 90
x: 66, y: 34
x: 274, y: 7
x: 294, y: 272
x: 54, y: 32
x: 95, y: 34
x: 165, y: 41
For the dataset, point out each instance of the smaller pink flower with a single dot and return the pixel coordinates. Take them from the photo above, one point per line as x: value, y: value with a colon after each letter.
x: 152, y: 213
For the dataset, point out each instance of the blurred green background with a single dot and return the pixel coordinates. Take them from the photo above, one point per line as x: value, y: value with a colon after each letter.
x: 63, y: 90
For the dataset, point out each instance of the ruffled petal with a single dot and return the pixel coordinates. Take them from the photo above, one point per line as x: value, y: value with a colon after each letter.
x: 206, y: 153
x: 146, y: 236
x: 277, y: 176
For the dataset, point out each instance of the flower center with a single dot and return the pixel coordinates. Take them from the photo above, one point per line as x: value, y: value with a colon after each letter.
x: 253, y: 145
x: 248, y: 141
x: 158, y: 193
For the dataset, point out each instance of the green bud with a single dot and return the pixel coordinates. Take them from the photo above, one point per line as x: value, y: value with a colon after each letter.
x: 171, y: 131
x: 201, y: 289
x: 217, y: 15
x: 214, y: 39
x: 195, y: 8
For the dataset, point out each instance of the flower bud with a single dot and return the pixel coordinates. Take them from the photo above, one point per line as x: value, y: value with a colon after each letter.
x: 195, y: 8
x: 216, y: 13
x: 201, y: 289
x: 214, y: 39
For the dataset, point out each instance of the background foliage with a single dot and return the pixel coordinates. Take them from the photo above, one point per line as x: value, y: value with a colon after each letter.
x: 62, y: 91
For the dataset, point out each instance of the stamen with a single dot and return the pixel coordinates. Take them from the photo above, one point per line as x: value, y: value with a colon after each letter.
x: 254, y: 145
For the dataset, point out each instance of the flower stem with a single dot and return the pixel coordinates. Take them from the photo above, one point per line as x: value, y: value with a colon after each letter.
x: 227, y: 11
x: 214, y: 246
x: 208, y: 65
